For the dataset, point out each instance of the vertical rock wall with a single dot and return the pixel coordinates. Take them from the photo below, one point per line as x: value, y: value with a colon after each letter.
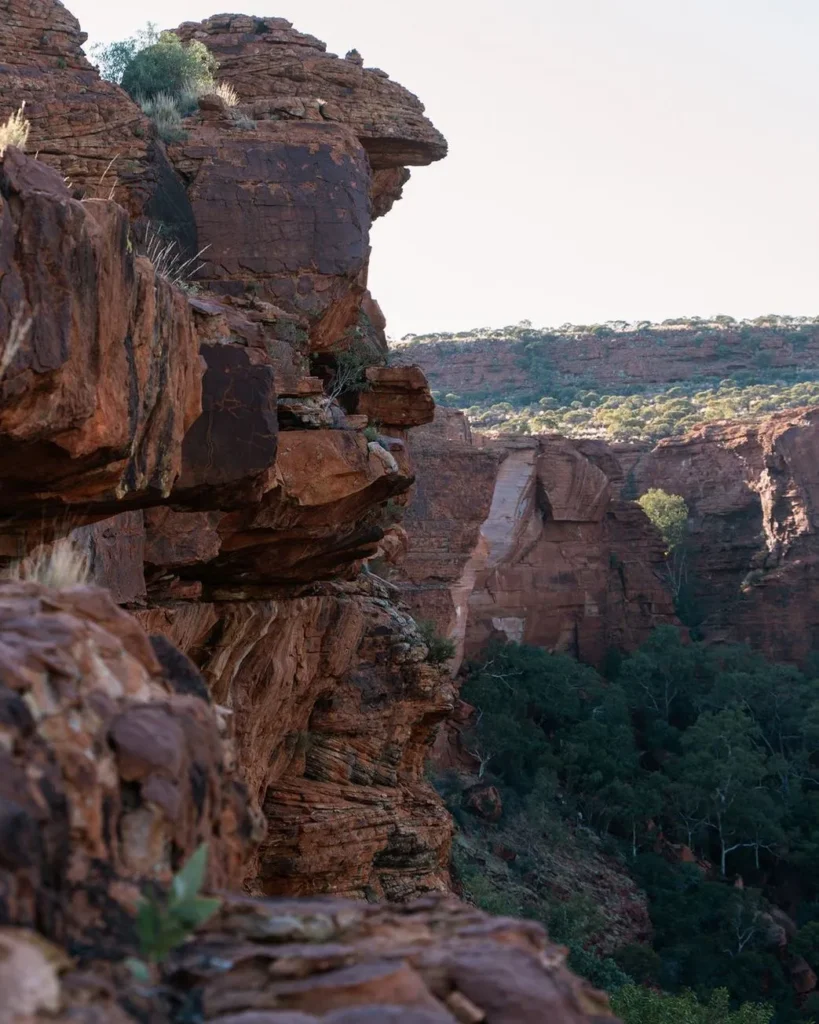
x: 191, y: 444
x: 525, y: 539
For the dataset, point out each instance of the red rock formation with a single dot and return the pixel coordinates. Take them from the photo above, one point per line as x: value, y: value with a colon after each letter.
x: 659, y: 355
x: 524, y: 539
x: 112, y: 768
x: 752, y: 494
x: 284, y: 74
x: 305, y: 961
x: 106, y: 380
x: 89, y: 130
x: 220, y: 486
x: 334, y: 707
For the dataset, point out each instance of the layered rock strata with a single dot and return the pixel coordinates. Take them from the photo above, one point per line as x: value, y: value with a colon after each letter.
x: 526, y: 539
x: 305, y: 961
x: 195, y: 456
x: 654, y: 354
x: 194, y: 446
x: 751, y: 490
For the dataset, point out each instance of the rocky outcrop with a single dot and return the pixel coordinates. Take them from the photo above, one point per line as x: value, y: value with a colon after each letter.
x: 751, y: 490
x: 105, y: 378
x: 283, y: 74
x: 300, y: 962
x: 526, y: 539
x: 334, y: 707
x: 114, y: 766
x: 198, y: 452
x: 87, y: 129
x: 215, y: 484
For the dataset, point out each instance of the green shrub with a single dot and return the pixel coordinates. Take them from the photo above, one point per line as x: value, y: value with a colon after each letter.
x: 602, y: 972
x: 440, y: 648
x: 113, y: 59
x: 183, y: 70
x: 639, y: 962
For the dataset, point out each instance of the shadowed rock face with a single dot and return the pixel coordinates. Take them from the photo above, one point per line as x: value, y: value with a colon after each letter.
x: 334, y: 708
x: 283, y: 209
x: 752, y: 491
x: 108, y: 776
x: 526, y: 540
x: 215, y: 487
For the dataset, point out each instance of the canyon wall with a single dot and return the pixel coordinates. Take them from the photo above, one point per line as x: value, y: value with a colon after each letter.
x: 187, y: 442
x: 263, y: 693
x: 527, y: 539
x: 606, y: 359
x: 539, y: 539
x: 751, y: 490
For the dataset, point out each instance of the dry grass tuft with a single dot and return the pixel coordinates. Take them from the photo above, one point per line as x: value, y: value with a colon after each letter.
x: 60, y: 565
x: 15, y: 130
x: 167, y: 259
x: 226, y: 92
x: 164, y: 110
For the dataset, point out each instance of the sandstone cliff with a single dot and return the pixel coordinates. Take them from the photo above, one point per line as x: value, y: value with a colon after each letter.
x: 476, y: 364
x: 279, y: 702
x: 527, y: 539
x: 189, y: 442
x: 752, y: 494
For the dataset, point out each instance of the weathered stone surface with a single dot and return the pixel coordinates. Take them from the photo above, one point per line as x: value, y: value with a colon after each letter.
x: 279, y: 72
x: 87, y: 129
x: 108, y: 777
x: 284, y: 209
x: 436, y: 961
x: 115, y: 549
x: 106, y: 380
x: 333, y: 707
x: 753, y: 494
x: 313, y: 516
x: 234, y: 439
x: 396, y: 396
x: 522, y: 540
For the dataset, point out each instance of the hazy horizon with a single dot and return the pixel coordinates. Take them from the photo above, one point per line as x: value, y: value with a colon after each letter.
x: 609, y: 159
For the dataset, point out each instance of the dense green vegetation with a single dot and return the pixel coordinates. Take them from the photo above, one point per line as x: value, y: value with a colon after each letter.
x: 552, y: 399
x: 164, y: 75
x: 696, y: 766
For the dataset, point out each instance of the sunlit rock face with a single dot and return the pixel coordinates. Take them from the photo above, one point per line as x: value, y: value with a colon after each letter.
x: 527, y: 539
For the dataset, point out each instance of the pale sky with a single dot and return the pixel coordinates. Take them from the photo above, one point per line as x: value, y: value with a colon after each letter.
x: 609, y: 159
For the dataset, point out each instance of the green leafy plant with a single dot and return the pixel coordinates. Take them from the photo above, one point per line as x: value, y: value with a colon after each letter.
x: 114, y: 58
x: 669, y: 513
x: 166, y: 920
x: 349, y: 371
x: 168, y: 65
x: 440, y: 649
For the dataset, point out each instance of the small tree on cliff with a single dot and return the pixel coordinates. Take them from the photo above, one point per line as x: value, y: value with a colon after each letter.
x: 669, y: 513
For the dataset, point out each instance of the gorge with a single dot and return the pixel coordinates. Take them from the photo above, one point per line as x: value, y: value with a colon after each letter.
x: 257, y: 561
